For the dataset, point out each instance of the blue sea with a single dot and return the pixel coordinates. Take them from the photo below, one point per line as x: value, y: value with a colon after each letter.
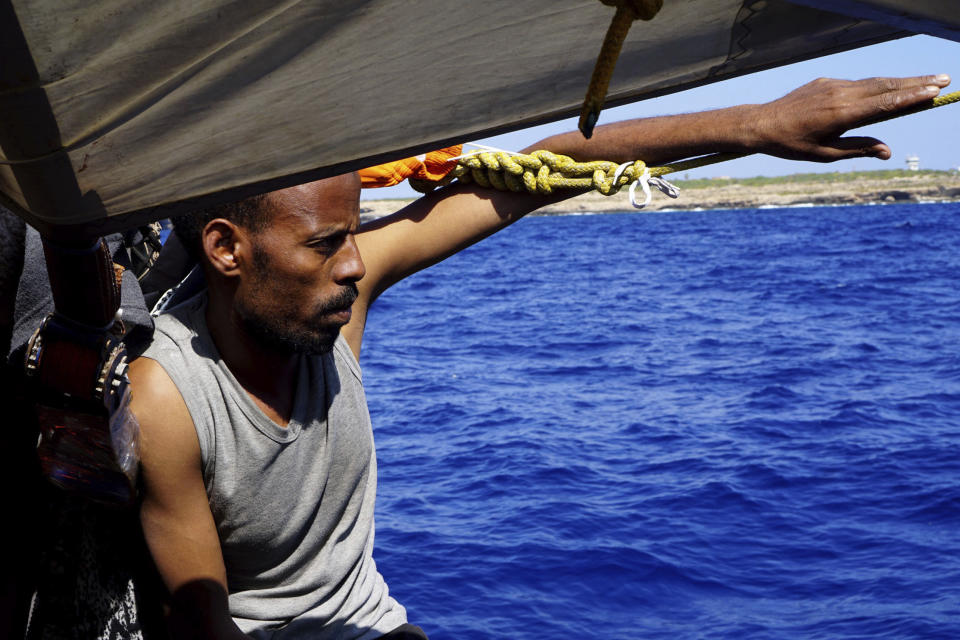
x: 718, y: 424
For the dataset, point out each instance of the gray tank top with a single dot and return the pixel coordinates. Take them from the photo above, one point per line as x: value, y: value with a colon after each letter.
x: 293, y: 505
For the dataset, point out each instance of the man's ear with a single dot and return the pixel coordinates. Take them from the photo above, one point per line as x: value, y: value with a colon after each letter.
x: 222, y: 240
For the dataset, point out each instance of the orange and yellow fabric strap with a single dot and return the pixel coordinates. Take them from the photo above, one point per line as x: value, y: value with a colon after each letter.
x: 433, y: 166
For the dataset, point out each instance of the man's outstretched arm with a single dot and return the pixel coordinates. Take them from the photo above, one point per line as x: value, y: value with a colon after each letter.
x: 809, y: 124
x: 806, y: 124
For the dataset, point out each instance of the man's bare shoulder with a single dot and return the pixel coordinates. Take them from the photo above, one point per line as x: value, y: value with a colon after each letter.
x: 150, y: 378
x: 152, y: 388
x: 166, y: 426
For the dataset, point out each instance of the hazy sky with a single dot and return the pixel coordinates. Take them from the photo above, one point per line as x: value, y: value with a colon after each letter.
x: 934, y: 135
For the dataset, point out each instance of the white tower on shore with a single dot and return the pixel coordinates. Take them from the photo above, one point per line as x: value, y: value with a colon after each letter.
x: 913, y: 162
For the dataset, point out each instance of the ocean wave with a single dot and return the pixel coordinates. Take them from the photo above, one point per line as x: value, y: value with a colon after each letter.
x: 700, y: 424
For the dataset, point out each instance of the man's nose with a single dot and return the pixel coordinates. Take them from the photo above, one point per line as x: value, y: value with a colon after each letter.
x: 350, y: 266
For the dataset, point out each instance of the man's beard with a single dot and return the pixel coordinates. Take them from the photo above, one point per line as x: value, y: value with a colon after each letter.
x: 276, y: 332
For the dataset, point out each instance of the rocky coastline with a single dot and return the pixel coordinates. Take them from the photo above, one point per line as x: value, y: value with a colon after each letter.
x: 883, y: 187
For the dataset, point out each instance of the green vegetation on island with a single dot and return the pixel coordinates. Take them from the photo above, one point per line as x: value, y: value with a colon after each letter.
x: 828, y: 177
x: 829, y: 188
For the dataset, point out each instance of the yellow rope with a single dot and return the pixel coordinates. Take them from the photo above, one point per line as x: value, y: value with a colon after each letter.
x: 543, y: 171
x: 939, y: 101
x: 627, y: 12
x: 538, y: 172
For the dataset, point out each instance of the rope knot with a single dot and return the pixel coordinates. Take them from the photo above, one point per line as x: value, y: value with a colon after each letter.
x: 543, y: 172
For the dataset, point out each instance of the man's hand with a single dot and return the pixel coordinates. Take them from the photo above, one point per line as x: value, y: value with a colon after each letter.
x: 808, y: 123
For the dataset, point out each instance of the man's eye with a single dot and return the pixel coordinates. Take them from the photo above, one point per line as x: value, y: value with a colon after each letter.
x: 325, y: 245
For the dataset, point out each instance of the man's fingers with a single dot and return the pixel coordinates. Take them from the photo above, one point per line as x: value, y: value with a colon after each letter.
x: 877, y: 86
x: 905, y: 98
x: 884, y: 96
x: 880, y: 106
x: 855, y: 147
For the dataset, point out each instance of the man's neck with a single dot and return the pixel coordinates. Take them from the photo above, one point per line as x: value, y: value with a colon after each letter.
x: 268, y: 376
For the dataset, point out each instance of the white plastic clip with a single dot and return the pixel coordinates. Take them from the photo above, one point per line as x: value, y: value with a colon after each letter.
x: 620, y: 170
x: 645, y: 181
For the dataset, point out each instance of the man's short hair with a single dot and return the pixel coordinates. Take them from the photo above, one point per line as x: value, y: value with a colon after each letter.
x: 251, y: 213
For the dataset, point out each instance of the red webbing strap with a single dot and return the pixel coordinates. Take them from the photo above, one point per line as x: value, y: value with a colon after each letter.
x: 89, y: 439
x: 71, y: 367
x: 84, y: 285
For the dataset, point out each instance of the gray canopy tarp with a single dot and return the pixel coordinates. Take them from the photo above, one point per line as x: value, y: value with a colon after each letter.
x: 116, y: 112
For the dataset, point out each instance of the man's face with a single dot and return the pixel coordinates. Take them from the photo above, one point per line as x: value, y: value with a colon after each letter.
x: 296, y: 291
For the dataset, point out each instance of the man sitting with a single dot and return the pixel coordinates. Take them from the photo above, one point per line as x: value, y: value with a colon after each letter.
x: 258, y: 460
